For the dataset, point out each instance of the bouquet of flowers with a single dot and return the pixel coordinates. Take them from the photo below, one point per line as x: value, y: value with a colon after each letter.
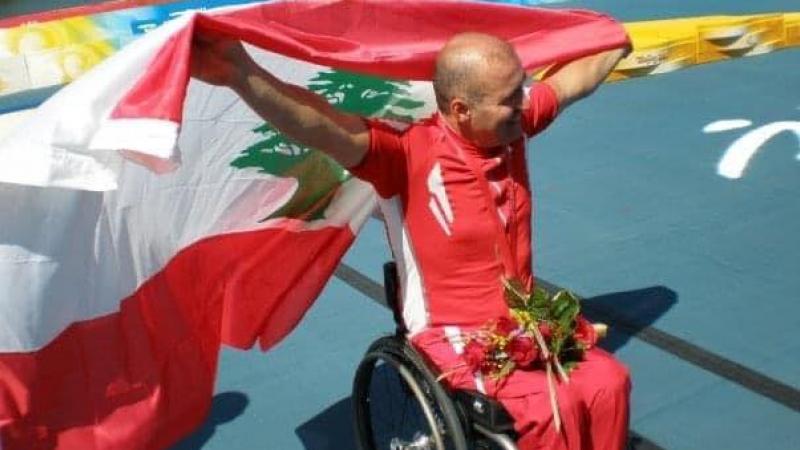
x: 544, y: 331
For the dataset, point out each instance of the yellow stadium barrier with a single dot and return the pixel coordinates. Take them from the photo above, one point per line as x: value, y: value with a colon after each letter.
x: 661, y: 46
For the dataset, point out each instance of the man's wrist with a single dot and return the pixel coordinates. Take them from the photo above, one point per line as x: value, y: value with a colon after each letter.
x: 244, y: 75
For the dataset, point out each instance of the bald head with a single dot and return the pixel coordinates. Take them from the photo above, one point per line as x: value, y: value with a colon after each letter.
x: 465, y: 62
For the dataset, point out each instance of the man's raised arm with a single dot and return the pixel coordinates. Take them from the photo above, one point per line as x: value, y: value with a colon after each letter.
x: 299, y: 114
x: 579, y: 78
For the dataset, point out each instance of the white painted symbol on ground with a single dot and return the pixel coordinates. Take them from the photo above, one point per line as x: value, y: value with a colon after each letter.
x: 726, y: 125
x: 734, y: 162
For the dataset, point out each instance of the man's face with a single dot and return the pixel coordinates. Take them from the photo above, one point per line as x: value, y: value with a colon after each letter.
x: 496, y: 117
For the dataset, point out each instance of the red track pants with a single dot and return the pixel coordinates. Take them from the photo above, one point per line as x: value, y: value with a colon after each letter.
x: 594, y: 405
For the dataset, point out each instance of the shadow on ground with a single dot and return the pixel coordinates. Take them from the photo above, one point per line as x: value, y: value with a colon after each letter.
x: 225, y: 407
x: 332, y: 429
x: 629, y: 312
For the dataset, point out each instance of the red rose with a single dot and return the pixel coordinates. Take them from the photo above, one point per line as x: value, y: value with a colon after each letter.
x: 585, y: 332
x: 545, y: 330
x: 506, y: 326
x: 474, y: 354
x: 522, y: 351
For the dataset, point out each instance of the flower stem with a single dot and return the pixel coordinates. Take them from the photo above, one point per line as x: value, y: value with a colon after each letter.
x: 551, y: 388
x: 561, y: 372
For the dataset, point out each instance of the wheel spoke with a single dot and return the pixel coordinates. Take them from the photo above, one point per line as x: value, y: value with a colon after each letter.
x: 413, y: 413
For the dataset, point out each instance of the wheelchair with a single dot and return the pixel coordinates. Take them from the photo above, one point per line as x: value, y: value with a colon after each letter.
x: 398, y: 404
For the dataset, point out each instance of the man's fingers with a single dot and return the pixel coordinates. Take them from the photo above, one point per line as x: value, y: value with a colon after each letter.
x: 215, y: 43
x: 209, y: 36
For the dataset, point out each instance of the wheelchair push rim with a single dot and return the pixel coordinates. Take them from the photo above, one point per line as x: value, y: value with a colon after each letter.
x: 391, y: 365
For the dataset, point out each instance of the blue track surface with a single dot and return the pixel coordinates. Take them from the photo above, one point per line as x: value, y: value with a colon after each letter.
x: 631, y: 214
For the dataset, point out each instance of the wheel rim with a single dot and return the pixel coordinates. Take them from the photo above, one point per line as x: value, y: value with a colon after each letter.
x: 396, y: 411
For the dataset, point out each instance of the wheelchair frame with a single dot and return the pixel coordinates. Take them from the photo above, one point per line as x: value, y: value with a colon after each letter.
x: 458, y: 419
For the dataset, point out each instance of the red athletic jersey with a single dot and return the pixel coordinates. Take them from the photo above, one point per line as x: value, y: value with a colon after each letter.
x: 440, y: 225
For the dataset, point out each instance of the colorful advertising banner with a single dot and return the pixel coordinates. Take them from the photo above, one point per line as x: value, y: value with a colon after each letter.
x: 51, y: 49
x: 36, y: 54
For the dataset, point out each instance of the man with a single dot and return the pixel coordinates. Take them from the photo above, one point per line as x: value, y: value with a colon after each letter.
x: 454, y: 191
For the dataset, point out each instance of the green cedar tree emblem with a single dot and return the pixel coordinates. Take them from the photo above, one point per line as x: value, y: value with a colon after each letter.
x: 319, y: 176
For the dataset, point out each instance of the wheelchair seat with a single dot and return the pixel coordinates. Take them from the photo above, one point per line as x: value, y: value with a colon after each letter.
x: 399, y: 404
x: 483, y: 411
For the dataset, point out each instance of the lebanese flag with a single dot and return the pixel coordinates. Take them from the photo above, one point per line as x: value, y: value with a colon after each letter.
x: 147, y: 219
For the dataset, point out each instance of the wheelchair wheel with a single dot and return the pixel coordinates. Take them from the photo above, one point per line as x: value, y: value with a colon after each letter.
x: 399, y: 405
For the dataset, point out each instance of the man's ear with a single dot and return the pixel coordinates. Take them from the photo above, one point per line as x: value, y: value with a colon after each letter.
x: 460, y: 110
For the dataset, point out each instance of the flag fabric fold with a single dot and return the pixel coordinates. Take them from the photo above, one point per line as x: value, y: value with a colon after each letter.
x: 120, y: 280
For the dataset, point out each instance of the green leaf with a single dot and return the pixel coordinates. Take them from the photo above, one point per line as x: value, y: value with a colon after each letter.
x: 540, y: 298
x: 540, y: 313
x: 569, y: 366
x: 515, y: 293
x: 566, y: 309
x: 556, y: 344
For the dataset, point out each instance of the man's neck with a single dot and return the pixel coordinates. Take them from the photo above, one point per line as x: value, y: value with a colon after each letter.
x: 451, y: 123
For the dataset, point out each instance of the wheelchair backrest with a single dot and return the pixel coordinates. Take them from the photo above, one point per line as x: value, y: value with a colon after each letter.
x: 391, y: 287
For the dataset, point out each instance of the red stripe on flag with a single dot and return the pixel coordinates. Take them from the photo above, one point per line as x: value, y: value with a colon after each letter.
x: 144, y: 377
x: 397, y: 39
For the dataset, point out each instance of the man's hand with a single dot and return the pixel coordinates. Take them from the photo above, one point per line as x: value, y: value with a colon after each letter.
x: 299, y: 114
x: 218, y: 61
